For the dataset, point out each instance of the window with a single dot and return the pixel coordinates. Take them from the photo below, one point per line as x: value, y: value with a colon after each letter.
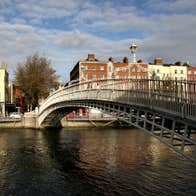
x: 144, y: 69
x: 93, y: 67
x: 117, y: 69
x: 102, y: 76
x: 175, y: 71
x: 158, y: 71
x: 83, y: 67
x: 94, y: 76
x: 124, y: 77
x: 102, y: 68
x: 181, y: 71
x: 85, y: 76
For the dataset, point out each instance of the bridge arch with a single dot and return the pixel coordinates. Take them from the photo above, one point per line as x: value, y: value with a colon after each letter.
x: 169, y: 116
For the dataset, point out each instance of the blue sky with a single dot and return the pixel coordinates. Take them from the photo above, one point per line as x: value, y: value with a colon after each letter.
x: 66, y: 31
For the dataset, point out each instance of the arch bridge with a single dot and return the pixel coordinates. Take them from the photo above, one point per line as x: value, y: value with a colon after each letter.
x: 165, y: 109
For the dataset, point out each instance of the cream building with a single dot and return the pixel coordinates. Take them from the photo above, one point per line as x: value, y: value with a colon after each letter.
x: 178, y: 72
x: 3, y: 88
x: 161, y: 71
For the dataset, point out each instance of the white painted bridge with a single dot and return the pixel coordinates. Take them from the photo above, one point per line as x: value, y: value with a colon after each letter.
x: 165, y: 109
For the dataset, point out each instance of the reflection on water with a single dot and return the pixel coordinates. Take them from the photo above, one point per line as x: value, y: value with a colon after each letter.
x: 91, y: 162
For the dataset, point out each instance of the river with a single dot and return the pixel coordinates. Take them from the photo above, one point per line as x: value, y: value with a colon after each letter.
x: 91, y: 162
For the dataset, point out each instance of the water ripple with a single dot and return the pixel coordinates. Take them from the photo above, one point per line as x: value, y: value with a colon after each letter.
x: 91, y: 162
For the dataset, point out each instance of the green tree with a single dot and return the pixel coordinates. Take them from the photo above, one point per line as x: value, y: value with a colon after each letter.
x: 36, y: 78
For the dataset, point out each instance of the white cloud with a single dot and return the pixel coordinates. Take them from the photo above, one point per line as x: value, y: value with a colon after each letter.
x: 112, y: 19
x: 173, y: 38
x: 18, y: 21
x: 19, y: 41
x: 176, y: 6
x: 47, y: 8
x: 170, y: 36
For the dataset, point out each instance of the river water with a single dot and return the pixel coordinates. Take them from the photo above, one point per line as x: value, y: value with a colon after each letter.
x: 91, y: 162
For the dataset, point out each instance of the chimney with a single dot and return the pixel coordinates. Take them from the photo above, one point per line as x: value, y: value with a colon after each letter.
x: 158, y: 61
x: 125, y: 60
x: 91, y: 57
x: 179, y: 63
x: 110, y: 59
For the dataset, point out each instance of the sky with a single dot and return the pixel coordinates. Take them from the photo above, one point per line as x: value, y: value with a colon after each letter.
x: 65, y: 31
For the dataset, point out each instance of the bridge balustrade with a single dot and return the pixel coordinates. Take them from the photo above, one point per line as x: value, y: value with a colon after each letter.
x: 177, y: 97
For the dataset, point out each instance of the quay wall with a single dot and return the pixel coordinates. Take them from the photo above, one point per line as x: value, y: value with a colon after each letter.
x: 11, y: 124
x: 83, y: 124
x: 29, y: 120
x: 88, y: 122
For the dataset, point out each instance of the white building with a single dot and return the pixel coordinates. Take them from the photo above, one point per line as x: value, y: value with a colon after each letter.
x: 161, y: 71
x: 3, y: 88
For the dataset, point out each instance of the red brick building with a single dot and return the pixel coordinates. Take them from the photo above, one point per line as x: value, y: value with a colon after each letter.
x: 191, y: 73
x: 191, y: 77
x: 131, y: 70
x: 89, y: 69
x: 93, y: 69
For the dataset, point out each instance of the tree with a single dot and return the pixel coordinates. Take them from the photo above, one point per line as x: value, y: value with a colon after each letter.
x: 35, y: 77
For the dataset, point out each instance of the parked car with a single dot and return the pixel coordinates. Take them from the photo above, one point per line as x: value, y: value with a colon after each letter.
x: 17, y: 115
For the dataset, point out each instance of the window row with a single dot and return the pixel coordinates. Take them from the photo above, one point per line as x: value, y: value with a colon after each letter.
x: 175, y: 71
x: 94, y: 76
x: 178, y: 71
x: 92, y: 68
x: 191, y: 72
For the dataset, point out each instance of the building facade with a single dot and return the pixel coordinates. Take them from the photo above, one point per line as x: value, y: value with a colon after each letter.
x: 89, y: 69
x: 191, y: 73
x: 131, y: 70
x: 93, y: 69
x: 161, y: 71
x: 4, y: 92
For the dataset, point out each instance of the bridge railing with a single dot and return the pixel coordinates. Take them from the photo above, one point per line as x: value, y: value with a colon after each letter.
x: 177, y: 97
